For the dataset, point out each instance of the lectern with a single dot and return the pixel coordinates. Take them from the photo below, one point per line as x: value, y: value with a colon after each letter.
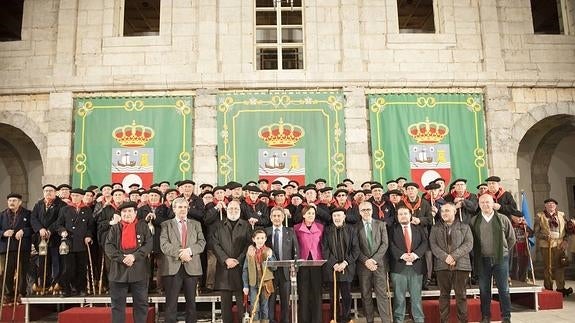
x: 293, y: 268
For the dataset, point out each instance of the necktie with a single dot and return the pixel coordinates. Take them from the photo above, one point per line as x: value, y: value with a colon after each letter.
x: 184, y: 232
x: 277, y: 243
x: 369, y: 235
x: 407, y: 239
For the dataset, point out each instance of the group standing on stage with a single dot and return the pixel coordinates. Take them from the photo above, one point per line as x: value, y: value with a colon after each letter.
x: 395, y: 237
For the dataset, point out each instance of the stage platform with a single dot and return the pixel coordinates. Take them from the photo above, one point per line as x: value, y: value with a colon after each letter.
x: 214, y: 298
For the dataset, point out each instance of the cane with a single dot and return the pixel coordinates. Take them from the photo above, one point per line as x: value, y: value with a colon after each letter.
x: 101, y: 282
x: 529, y: 255
x: 257, y: 299
x: 4, y: 278
x: 334, y: 320
x: 91, y: 268
x: 17, y: 280
x: 549, y: 269
x: 44, y: 278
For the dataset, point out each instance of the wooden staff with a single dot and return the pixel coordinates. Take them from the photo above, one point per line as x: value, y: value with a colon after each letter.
x: 101, y: 282
x: 4, y: 277
x: 91, y: 268
x: 45, y: 267
x: 529, y: 254
x: 257, y: 299
x: 17, y: 279
x: 335, y: 297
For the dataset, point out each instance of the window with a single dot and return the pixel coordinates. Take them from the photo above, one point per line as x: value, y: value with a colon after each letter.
x: 547, y: 17
x: 141, y: 17
x: 11, y: 19
x: 415, y: 16
x: 279, y: 35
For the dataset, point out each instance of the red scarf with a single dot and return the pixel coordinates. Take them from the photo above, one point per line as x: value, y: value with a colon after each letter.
x: 251, y: 203
x: 465, y: 194
x: 260, y: 254
x: 380, y: 212
x: 78, y: 206
x: 345, y: 206
x: 497, y: 194
x: 552, y: 218
x: 128, y: 235
x: 410, y: 206
x: 284, y: 205
x: 48, y: 203
x: 114, y: 205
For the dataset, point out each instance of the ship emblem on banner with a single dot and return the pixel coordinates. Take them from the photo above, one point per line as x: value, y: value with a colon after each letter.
x: 281, y: 161
x: 132, y: 162
x: 429, y: 158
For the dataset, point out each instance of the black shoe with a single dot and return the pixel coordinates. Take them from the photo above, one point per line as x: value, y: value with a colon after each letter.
x: 506, y: 321
x: 485, y: 320
x: 426, y: 283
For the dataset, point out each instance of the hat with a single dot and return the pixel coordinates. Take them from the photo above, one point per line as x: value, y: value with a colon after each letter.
x: 482, y: 184
x: 233, y: 185
x: 134, y: 185
x: 118, y: 190
x: 91, y: 188
x: 438, y: 180
x: 432, y: 186
x: 400, y: 178
x: 366, y: 191
x: 263, y: 180
x: 251, y: 183
x: 307, y: 188
x: 276, y: 182
x: 406, y: 185
x: 377, y: 185
x: 551, y: 200
x: 391, y: 181
x: 170, y: 190
x: 105, y: 185
x: 278, y: 192
x: 517, y: 213
x: 338, y: 209
x: 77, y: 191
x: 341, y: 185
x: 297, y: 195
x: 301, y: 187
x: 134, y: 192
x: 164, y: 182
x: 325, y: 189
x: 340, y: 191
x: 49, y: 185
x: 61, y: 186
x: 206, y: 193
x: 320, y: 180
x: 116, y: 183
x: 154, y: 185
x: 347, y: 180
x: 177, y: 183
x: 14, y: 195
x: 364, y: 183
x: 288, y: 185
x: 294, y: 183
x: 459, y: 180
x: 187, y: 181
x: 253, y: 188
x: 206, y: 185
x: 264, y: 194
x: 126, y: 205
x: 154, y: 191
x: 396, y: 192
x: 493, y: 179
x: 218, y: 188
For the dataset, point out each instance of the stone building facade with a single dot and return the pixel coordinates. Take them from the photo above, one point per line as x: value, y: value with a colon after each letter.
x: 72, y: 48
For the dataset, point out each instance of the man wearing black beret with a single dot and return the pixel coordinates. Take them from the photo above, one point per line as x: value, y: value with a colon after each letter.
x: 64, y: 192
x: 504, y: 201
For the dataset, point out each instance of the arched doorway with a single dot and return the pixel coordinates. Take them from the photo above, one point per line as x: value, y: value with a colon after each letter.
x: 21, y: 167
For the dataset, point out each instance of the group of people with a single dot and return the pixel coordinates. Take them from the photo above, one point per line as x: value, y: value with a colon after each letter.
x: 165, y: 239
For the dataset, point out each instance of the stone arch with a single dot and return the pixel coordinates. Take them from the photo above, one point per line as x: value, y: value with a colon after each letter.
x: 15, y: 167
x: 21, y: 122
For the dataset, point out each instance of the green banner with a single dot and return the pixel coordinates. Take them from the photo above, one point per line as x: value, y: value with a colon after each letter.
x: 281, y: 135
x: 132, y: 140
x: 428, y: 135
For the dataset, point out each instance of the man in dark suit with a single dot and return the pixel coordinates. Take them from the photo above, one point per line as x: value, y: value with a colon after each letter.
x: 181, y: 241
x: 230, y: 241
x: 408, y: 244
x: 285, y: 246
x: 372, y: 264
x: 128, y: 244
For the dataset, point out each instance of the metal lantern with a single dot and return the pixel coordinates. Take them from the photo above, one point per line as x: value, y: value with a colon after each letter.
x: 64, y: 249
x: 43, y: 248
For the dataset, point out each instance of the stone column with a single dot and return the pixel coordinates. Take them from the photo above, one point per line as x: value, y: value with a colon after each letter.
x: 205, y: 137
x: 358, y: 165
x: 58, y: 166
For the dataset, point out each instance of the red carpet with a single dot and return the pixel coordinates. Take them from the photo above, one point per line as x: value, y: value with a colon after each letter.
x: 98, y: 314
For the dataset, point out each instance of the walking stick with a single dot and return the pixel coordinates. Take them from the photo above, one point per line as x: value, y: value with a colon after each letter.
x: 549, y: 268
x: 101, y: 282
x: 529, y: 255
x: 17, y: 280
x: 334, y: 320
x: 91, y: 268
x: 4, y: 278
x: 257, y: 299
x: 44, y: 280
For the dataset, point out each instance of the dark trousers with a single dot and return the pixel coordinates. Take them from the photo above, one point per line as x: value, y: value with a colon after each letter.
x: 309, y: 293
x: 375, y: 281
x: 173, y: 285
x: 74, y: 272
x: 447, y: 280
x: 52, y: 267
x: 227, y: 304
x: 343, y: 307
x: 10, y: 271
x: 118, y: 293
x: 282, y: 287
x: 499, y: 271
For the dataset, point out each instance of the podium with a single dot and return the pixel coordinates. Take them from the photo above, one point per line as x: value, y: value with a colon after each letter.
x: 293, y: 268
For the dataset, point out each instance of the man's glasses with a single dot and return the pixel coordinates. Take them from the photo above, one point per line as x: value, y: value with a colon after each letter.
x: 366, y: 210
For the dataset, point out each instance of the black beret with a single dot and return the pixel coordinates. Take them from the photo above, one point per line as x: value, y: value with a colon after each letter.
x: 114, y: 184
x: 348, y: 180
x: 126, y: 205
x: 118, y: 190
x: 187, y: 181
x: 301, y: 187
x: 49, y: 185
x: 91, y: 188
x: 439, y: 179
x: 134, y: 184
x: 142, y: 190
x: 253, y: 188
x: 297, y: 195
x: 219, y: 188
x: 278, y: 192
x: 391, y: 181
x: 177, y: 183
x: 516, y: 213
x: 493, y: 179
x: 368, y: 182
x: 233, y: 185
x: 400, y: 178
x: 77, y: 191
x: 482, y: 184
x: 277, y: 183
x: 340, y: 191
x: 154, y: 191
x: 289, y: 185
x: 367, y: 191
x: 170, y: 190
x: 432, y: 186
x: 320, y: 180
x: 377, y: 185
x: 551, y: 200
x: 325, y: 189
x: 341, y: 185
x: 338, y: 209
x: 396, y: 192
x: 61, y: 186
x: 105, y: 185
x: 264, y: 194
x: 263, y: 180
x: 206, y: 185
x: 308, y: 188
x: 406, y: 185
x: 206, y: 193
x: 14, y: 195
x: 459, y: 180
x: 134, y: 192
x: 251, y: 183
x: 154, y: 185
x: 164, y: 182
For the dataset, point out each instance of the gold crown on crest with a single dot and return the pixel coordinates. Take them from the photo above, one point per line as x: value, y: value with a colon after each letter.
x: 281, y: 135
x: 133, y: 135
x: 428, y: 132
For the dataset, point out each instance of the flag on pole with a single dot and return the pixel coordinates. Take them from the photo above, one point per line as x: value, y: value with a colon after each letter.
x: 527, y: 215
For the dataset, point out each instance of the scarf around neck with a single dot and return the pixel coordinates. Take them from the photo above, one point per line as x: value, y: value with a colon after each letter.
x: 128, y: 235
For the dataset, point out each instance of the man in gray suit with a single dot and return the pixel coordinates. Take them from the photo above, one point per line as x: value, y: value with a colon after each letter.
x: 181, y: 242
x: 286, y: 249
x: 371, y: 264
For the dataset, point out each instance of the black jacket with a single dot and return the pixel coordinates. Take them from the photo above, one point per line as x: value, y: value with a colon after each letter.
x: 230, y: 243
x: 349, y: 251
x: 419, y: 244
x: 119, y: 272
x: 46, y: 218
x: 20, y: 222
x: 79, y: 225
